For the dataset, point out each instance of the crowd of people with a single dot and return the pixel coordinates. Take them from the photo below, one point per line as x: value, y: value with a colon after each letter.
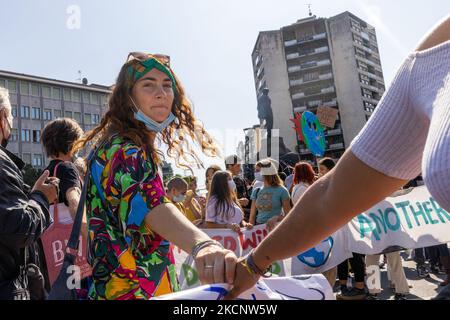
x: 271, y: 199
x: 132, y: 217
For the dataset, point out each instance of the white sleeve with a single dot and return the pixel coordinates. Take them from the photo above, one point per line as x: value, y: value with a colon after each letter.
x: 393, y: 140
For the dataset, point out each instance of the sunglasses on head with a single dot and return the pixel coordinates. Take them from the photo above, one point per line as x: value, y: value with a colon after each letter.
x: 142, y: 56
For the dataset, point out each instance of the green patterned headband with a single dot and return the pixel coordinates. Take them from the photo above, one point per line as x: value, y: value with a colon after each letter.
x: 138, y: 70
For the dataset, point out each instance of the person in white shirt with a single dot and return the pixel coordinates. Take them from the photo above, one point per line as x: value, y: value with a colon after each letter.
x: 223, y: 209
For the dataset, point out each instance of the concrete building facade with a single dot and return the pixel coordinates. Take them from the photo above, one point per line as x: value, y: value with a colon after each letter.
x: 331, y: 62
x: 36, y: 100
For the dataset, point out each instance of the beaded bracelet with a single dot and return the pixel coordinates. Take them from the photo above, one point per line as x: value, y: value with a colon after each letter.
x: 203, y: 244
x: 251, y: 266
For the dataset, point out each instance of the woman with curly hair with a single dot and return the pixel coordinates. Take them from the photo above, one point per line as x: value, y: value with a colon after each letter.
x: 131, y: 221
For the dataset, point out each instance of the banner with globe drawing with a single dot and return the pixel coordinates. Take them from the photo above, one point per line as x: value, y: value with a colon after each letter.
x: 411, y: 220
x: 322, y: 257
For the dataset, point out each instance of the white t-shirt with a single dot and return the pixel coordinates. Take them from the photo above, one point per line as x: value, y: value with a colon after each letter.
x: 409, y: 132
x: 233, y: 215
x: 298, y: 190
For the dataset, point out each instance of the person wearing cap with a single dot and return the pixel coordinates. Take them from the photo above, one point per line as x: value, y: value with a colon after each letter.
x: 233, y: 164
x: 271, y: 201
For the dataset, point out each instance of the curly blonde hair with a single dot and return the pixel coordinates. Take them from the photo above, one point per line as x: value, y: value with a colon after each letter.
x: 120, y: 119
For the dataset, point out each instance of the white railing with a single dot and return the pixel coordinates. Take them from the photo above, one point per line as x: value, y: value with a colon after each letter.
x: 324, y: 62
x: 300, y: 109
x: 326, y: 76
x: 290, y: 43
x: 298, y: 95
x: 296, y: 82
x: 292, y: 56
x: 331, y: 103
x: 334, y: 132
x: 294, y: 69
x: 336, y: 146
x: 327, y: 90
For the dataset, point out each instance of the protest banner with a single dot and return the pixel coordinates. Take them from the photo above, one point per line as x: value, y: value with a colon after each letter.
x: 313, y: 287
x: 412, y: 220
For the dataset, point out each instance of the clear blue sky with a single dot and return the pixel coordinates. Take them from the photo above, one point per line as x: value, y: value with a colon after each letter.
x: 210, y: 41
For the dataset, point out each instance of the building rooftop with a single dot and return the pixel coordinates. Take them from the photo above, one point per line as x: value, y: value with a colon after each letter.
x: 22, y: 76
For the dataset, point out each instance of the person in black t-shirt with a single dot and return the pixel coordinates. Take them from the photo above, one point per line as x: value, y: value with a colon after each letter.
x: 234, y: 165
x: 58, y: 138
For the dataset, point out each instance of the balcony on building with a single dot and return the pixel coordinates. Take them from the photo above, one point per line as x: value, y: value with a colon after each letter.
x: 306, y: 39
x: 321, y: 77
x: 368, y: 50
x: 309, y: 65
x: 370, y: 62
x: 307, y: 53
x: 371, y: 75
x: 312, y: 105
x: 371, y: 100
x: 323, y: 91
x: 336, y: 146
x: 373, y: 88
x: 333, y: 132
x: 304, y: 151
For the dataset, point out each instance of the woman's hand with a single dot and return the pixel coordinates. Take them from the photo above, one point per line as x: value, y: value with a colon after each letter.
x: 243, y: 281
x: 216, y: 265
x: 243, y: 202
x: 235, y: 227
x: 249, y: 226
x: 202, y: 201
x: 271, y: 223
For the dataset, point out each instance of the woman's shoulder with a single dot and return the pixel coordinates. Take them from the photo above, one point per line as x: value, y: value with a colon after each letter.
x: 212, y: 199
x: 117, y: 146
x: 63, y: 168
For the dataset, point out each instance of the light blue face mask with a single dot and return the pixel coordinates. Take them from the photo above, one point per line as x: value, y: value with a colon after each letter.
x: 151, y: 124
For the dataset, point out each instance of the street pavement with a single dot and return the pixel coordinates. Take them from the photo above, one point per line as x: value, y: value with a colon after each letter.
x: 422, y: 289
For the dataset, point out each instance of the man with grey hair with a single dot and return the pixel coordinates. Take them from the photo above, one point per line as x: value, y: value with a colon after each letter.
x: 24, y: 216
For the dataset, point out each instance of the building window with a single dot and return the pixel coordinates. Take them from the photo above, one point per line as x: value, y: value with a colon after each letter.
x: 76, y: 96
x: 2, y: 83
x: 67, y: 94
x: 36, y: 136
x: 36, y: 113
x: 14, y: 135
x: 12, y: 86
x: 85, y: 97
x: 77, y: 117
x: 24, y: 88
x: 26, y: 157
x: 37, y: 160
x: 57, y: 113
x: 26, y: 135
x: 95, y: 119
x: 46, y: 92
x: 25, y: 112
x: 56, y: 93
x: 311, y: 76
x: 14, y: 111
x: 47, y: 114
x: 68, y: 114
x: 35, y: 89
x: 87, y: 118
x: 103, y: 99
x: 95, y: 99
